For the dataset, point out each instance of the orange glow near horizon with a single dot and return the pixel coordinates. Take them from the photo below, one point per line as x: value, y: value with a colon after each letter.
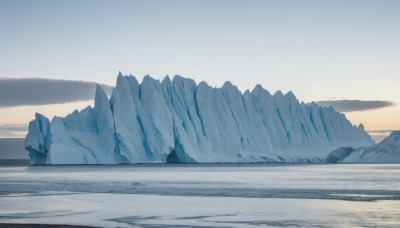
x: 379, y: 119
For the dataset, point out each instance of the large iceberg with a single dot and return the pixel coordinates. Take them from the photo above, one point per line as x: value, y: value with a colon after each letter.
x: 181, y: 121
x: 387, y: 151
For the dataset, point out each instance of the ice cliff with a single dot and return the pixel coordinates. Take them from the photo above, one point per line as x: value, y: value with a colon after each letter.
x: 181, y: 121
x: 387, y: 151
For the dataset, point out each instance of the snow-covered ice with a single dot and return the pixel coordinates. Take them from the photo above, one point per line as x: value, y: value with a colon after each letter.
x: 181, y: 121
x: 387, y: 151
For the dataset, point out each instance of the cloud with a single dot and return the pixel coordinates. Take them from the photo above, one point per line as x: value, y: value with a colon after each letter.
x: 387, y: 132
x: 13, y: 130
x: 41, y: 91
x: 355, y: 105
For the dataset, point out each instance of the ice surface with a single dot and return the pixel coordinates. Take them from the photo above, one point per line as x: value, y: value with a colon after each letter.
x: 37, y: 141
x: 180, y: 121
x: 338, y: 155
x: 209, y: 195
x: 387, y: 151
x: 132, y: 210
x: 245, y: 180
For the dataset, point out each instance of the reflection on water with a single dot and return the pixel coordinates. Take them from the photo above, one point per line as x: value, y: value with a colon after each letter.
x: 14, y: 162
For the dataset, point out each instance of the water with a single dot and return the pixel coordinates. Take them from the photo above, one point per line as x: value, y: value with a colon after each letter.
x: 216, y: 195
x: 14, y: 162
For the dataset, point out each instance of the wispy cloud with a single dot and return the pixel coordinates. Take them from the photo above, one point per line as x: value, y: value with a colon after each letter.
x: 41, y: 91
x: 384, y: 132
x: 13, y: 130
x: 355, y: 105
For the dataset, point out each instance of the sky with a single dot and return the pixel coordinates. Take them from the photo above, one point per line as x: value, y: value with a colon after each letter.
x: 346, y: 51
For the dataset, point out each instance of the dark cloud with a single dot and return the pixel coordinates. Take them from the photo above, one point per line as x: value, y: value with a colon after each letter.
x: 355, y: 105
x: 40, y: 91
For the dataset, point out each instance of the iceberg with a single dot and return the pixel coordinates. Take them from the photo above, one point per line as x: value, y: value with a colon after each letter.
x: 180, y: 121
x: 387, y: 151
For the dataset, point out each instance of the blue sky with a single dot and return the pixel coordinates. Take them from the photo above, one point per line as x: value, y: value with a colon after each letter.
x: 317, y: 49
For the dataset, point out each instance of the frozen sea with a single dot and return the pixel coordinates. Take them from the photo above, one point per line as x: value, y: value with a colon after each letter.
x: 202, y: 195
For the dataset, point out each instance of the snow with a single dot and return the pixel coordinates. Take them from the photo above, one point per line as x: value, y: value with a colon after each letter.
x: 387, y: 151
x: 180, y: 121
